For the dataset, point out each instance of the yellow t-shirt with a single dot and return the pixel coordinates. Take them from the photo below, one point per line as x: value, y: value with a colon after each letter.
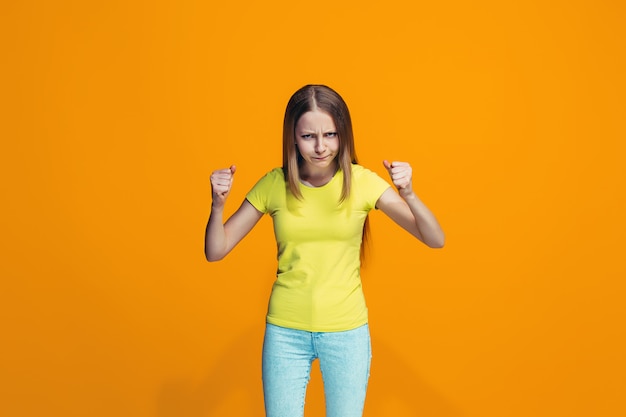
x: 318, y: 282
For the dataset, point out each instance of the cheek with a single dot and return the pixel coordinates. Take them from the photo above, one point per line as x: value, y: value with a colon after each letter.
x: 302, y: 147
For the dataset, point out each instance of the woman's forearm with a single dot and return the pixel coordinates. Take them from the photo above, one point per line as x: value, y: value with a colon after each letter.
x: 430, y: 231
x: 215, y: 236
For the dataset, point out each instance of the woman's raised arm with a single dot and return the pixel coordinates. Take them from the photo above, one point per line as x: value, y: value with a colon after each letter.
x: 407, y: 210
x: 221, y: 238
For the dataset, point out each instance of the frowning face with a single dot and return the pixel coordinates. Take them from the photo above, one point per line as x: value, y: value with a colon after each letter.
x: 317, y: 142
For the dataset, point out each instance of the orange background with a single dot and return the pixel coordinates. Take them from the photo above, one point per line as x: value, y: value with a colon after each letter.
x: 113, y: 115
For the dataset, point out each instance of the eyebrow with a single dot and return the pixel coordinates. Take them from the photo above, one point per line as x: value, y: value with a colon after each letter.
x: 315, y: 131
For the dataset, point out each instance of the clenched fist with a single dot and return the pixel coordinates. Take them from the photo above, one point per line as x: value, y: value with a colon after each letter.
x: 401, y: 175
x: 221, y: 184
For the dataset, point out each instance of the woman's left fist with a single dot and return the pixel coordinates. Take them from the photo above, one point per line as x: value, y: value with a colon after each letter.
x: 401, y: 175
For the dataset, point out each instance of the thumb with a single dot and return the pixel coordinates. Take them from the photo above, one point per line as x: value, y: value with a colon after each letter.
x: 233, y: 168
x: 386, y: 164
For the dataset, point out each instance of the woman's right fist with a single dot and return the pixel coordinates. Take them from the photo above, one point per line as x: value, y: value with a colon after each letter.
x: 221, y: 183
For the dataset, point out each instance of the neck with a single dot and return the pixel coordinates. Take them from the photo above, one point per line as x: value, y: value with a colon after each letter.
x: 317, y: 178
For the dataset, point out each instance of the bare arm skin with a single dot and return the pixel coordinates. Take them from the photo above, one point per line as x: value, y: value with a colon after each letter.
x: 407, y: 210
x: 220, y: 237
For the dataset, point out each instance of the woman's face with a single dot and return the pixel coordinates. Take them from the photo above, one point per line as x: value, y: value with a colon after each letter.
x: 317, y: 140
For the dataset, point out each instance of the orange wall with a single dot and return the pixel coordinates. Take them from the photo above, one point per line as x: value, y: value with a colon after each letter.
x: 113, y: 116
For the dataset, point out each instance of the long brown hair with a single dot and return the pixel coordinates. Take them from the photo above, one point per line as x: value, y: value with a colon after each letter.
x: 309, y: 98
x: 320, y: 97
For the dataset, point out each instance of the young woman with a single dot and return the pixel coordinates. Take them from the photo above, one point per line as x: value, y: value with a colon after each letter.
x: 319, y: 200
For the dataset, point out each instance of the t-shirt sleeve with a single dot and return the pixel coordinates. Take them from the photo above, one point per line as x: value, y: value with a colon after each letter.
x: 372, y: 186
x: 259, y: 195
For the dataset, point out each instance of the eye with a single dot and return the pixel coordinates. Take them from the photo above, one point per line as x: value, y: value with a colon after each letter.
x: 306, y: 136
x: 331, y: 134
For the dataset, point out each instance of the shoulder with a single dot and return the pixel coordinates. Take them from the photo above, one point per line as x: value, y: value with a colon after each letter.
x: 269, y: 181
x: 368, y: 184
x: 273, y: 175
x: 276, y: 171
x: 360, y: 172
x: 263, y: 194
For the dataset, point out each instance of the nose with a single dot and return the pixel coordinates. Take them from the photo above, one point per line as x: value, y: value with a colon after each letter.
x: 320, y: 144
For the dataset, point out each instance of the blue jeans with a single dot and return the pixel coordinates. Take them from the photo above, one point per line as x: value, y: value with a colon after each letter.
x: 344, y: 361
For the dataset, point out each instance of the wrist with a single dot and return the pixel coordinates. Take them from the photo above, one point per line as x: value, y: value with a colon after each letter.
x: 407, y: 194
x: 217, y: 206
